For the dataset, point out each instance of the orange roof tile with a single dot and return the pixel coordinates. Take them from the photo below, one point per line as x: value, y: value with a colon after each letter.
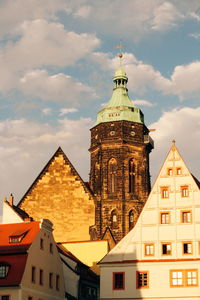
x: 30, y: 231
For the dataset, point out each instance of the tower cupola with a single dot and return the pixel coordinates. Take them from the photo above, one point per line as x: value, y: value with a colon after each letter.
x: 120, y: 107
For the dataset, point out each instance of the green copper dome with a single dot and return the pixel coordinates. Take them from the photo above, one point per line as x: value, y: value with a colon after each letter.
x: 120, y: 107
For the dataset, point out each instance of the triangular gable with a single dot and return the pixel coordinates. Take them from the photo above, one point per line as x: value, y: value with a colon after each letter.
x: 60, y: 195
x: 58, y: 152
x: 148, y: 228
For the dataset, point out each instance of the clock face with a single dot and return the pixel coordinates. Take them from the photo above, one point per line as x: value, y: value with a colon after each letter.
x: 112, y: 133
x: 132, y: 133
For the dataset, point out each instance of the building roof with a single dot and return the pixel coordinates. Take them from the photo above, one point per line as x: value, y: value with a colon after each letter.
x: 28, y: 231
x: 15, y: 239
x: 120, y: 107
x: 17, y: 265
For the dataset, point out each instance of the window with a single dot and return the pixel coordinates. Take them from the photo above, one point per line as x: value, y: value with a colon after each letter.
x: 41, y: 277
x: 166, y: 249
x: 165, y: 218
x: 149, y: 249
x: 112, y: 176
x: 33, y: 275
x: 178, y: 171
x: 4, y: 268
x: 51, y: 280
x: 51, y: 248
x: 5, y: 297
x: 142, y: 279
x: 131, y: 219
x: 186, y: 216
x: 191, y: 277
x: 164, y: 192
x: 169, y: 171
x: 179, y: 278
x: 30, y: 298
x: 57, y: 282
x: 41, y: 244
x: 176, y: 278
x: 118, y: 281
x: 114, y: 219
x: 184, y: 191
x: 187, y: 248
x: 131, y: 176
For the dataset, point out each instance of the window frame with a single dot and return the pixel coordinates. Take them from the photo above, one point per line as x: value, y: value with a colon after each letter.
x: 183, y: 218
x: 114, y: 280
x: 5, y: 297
x: 41, y: 277
x: 165, y: 244
x: 138, y: 279
x: 171, y: 278
x: 169, y: 171
x: 169, y: 217
x: 50, y: 280
x: 145, y: 249
x: 184, y: 191
x: 57, y: 282
x: 178, y: 171
x: 187, y: 243
x: 5, y: 269
x: 186, y: 277
x: 33, y: 274
x: 164, y: 192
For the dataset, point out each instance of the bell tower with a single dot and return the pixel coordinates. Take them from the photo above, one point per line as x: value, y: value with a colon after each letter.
x: 119, y: 175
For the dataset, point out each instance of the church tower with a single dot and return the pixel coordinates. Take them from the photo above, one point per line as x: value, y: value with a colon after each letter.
x: 119, y: 175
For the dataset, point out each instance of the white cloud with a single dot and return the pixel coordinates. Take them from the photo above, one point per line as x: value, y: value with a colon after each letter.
x: 59, y: 87
x: 185, y: 80
x: 196, y: 35
x: 165, y: 16
x: 183, y: 125
x: 27, y: 146
x: 13, y: 13
x: 41, y: 43
x: 65, y: 111
x: 141, y: 102
x: 47, y: 111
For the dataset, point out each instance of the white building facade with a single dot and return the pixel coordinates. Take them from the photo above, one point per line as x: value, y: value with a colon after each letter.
x: 160, y: 257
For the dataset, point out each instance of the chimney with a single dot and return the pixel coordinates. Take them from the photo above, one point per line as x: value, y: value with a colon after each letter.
x: 11, y: 200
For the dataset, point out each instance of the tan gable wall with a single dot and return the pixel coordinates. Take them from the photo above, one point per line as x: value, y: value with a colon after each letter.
x: 60, y: 196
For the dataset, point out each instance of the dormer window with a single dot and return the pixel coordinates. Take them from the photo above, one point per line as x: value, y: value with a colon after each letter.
x: 4, y: 268
x: 17, y: 237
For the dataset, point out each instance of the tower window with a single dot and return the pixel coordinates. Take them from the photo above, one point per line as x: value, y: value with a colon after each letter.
x: 114, y: 219
x: 142, y: 279
x: 131, y: 176
x: 112, y: 175
x: 4, y: 268
x: 131, y: 219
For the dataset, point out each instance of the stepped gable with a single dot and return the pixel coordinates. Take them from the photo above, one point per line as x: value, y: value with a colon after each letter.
x: 60, y: 194
x: 166, y: 196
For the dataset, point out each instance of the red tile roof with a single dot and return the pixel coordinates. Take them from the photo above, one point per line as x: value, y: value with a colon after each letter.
x: 15, y: 254
x: 17, y: 264
x: 30, y: 231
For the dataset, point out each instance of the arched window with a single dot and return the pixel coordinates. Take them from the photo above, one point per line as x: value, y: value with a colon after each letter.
x: 131, y: 219
x: 114, y: 218
x: 112, y: 176
x: 131, y: 176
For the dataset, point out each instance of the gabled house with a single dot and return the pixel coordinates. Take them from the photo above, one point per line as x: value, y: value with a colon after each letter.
x: 160, y: 257
x: 30, y: 265
x: 80, y: 281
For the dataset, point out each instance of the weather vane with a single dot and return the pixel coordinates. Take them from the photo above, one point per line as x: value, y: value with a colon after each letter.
x: 120, y: 55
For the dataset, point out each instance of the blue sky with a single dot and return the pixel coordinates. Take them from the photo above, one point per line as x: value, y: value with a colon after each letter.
x: 57, y: 60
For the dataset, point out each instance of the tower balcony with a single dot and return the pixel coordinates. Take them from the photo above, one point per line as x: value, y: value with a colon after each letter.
x: 148, y: 140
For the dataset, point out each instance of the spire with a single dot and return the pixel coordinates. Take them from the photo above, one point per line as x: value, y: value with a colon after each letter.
x: 120, y: 107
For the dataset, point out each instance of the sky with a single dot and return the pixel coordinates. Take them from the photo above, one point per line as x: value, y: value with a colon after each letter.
x: 57, y: 61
